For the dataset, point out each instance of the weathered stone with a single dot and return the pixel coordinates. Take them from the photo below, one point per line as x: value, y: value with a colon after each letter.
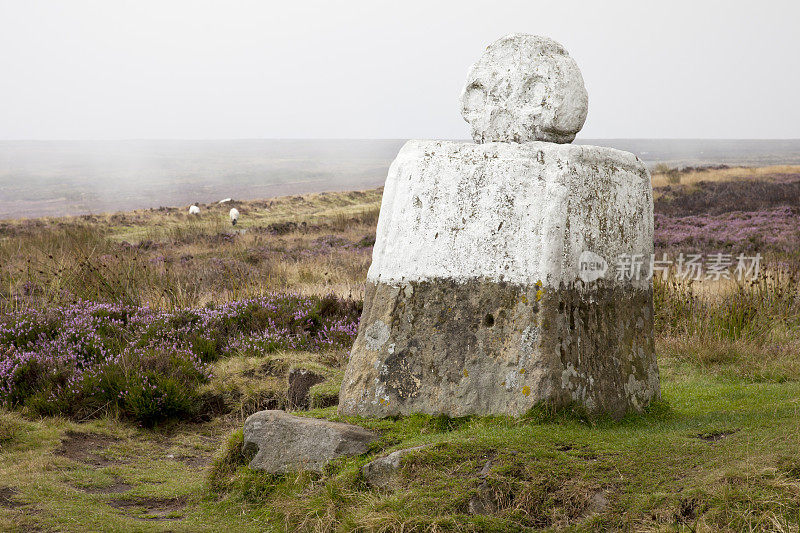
x: 525, y: 88
x: 481, y: 298
x: 300, y: 382
x: 282, y: 443
x: 379, y: 472
x: 484, y: 501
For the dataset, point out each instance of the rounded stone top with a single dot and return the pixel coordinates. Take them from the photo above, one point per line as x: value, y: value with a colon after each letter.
x: 524, y: 88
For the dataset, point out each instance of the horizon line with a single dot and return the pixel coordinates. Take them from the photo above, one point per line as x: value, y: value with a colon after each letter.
x: 206, y: 139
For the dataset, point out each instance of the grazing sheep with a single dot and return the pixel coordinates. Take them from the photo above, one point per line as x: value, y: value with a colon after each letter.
x: 234, y: 214
x: 194, y: 210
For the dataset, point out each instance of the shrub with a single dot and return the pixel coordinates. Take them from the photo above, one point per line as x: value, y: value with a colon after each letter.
x: 85, y: 358
x: 744, y: 309
x: 673, y: 174
x: 747, y: 330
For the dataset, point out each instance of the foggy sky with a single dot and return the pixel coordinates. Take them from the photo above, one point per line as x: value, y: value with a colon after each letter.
x: 111, y: 69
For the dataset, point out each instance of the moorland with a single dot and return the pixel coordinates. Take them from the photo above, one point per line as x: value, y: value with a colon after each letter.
x: 134, y: 344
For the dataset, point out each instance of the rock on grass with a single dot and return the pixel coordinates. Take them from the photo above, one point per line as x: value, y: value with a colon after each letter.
x: 379, y: 473
x: 280, y: 442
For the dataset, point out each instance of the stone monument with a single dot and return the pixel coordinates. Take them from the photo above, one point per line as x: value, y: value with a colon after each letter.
x: 492, y: 286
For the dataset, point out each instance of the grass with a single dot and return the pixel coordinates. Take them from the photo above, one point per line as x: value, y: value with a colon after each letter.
x: 718, y: 453
x: 715, y: 456
x: 313, y: 244
x: 664, y: 175
x: 747, y: 331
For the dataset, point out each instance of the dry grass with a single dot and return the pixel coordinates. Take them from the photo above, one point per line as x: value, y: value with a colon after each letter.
x: 743, y: 330
x: 662, y: 177
x: 313, y: 244
x: 246, y: 384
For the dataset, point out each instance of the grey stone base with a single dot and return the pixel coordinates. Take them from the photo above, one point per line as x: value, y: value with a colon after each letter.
x: 480, y: 347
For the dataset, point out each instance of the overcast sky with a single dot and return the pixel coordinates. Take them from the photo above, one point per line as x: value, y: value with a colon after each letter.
x: 111, y: 69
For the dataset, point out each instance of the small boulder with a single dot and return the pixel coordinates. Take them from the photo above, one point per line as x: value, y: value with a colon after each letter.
x: 525, y: 88
x: 300, y: 383
x: 379, y: 472
x: 280, y: 442
x: 483, y: 501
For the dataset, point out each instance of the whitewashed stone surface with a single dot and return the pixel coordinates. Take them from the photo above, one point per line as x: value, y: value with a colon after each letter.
x: 517, y: 213
x: 525, y: 88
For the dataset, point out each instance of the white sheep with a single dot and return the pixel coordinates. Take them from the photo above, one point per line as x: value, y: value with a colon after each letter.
x: 234, y: 214
x: 224, y: 201
x: 194, y: 210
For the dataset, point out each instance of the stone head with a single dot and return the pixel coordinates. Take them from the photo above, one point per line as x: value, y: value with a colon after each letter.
x: 524, y: 88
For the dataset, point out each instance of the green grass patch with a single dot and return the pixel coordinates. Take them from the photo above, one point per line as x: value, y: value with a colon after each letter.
x: 713, y: 455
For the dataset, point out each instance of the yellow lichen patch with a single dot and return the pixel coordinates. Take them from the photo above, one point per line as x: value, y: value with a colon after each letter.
x: 503, y: 384
x: 526, y: 391
x: 466, y: 373
x: 521, y: 370
x: 524, y: 299
x: 539, y: 294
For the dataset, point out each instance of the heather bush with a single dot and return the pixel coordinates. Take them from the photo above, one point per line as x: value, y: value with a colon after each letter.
x: 717, y: 198
x: 775, y: 230
x: 84, y: 359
